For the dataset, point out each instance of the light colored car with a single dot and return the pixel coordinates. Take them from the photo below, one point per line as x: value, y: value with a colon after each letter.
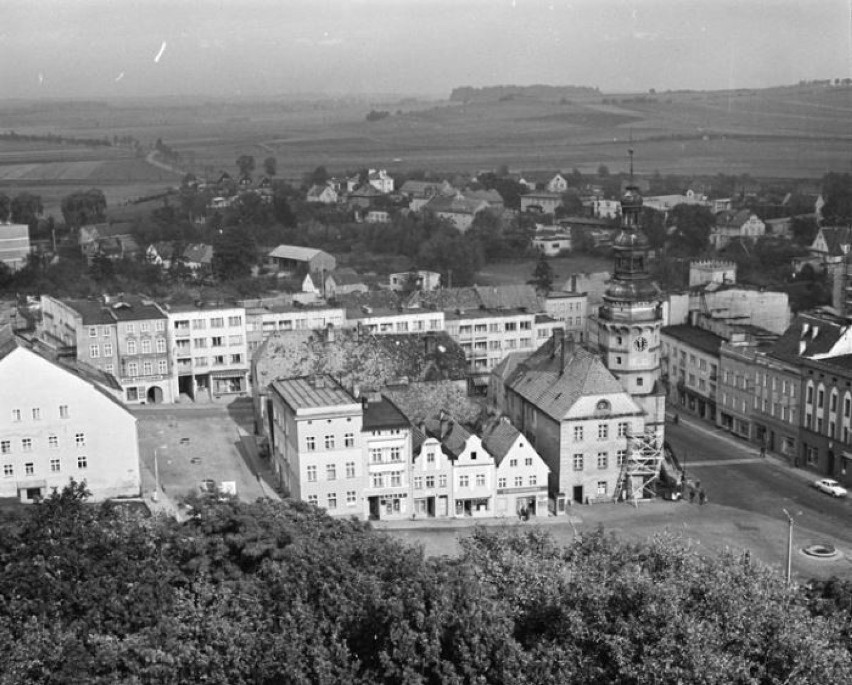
x: 830, y: 487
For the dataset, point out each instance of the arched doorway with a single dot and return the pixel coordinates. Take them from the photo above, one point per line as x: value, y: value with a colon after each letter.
x: 155, y: 394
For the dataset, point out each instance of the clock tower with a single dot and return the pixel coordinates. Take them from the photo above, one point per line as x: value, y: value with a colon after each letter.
x: 630, y: 318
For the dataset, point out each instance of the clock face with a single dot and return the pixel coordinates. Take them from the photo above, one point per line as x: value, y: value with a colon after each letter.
x: 640, y: 343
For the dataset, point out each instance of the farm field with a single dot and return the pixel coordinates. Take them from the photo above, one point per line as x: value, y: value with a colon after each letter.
x: 791, y: 132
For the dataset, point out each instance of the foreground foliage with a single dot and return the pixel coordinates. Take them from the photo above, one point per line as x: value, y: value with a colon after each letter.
x: 280, y: 593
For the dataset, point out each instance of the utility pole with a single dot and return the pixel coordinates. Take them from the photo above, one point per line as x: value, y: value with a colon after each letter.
x: 789, y: 546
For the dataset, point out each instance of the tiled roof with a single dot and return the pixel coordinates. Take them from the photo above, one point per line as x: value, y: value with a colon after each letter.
x: 836, y: 238
x: 498, y: 437
x: 818, y: 334
x: 383, y: 414
x: 455, y: 205
x: 453, y: 435
x: 358, y: 358
x: 554, y: 390
x: 312, y: 393
x: 199, y: 253
x: 346, y: 277
x: 479, y: 297
x: 696, y: 337
x: 420, y: 400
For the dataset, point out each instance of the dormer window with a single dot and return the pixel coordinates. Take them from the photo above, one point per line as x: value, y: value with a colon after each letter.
x: 603, y: 405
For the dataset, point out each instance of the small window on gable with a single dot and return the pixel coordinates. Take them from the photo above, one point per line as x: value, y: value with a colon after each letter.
x: 603, y: 405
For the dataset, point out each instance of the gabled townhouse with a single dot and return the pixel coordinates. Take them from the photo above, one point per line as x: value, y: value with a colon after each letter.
x: 473, y: 469
x: 522, y: 475
x: 125, y: 336
x: 208, y: 350
x: 62, y: 420
x: 386, y: 438
x: 431, y: 476
x: 577, y: 416
x: 317, y: 451
x: 736, y: 387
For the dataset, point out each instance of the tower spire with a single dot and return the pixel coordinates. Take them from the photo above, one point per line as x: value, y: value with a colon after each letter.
x: 630, y: 153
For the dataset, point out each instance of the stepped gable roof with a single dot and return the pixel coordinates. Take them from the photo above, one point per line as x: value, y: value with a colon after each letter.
x: 554, y: 390
x: 498, y: 437
x: 819, y: 335
x: 357, y: 358
x: 696, y: 337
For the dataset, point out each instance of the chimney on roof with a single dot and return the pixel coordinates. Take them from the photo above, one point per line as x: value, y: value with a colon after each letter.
x: 444, y: 424
x: 329, y: 333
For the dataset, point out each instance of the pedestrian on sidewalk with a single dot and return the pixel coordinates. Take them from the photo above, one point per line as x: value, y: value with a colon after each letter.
x: 702, y: 497
x: 763, y: 452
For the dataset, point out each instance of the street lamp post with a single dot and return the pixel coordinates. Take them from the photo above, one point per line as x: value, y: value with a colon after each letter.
x: 789, y: 546
x: 156, y: 496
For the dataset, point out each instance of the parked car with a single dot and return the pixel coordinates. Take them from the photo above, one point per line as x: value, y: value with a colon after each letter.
x: 830, y: 487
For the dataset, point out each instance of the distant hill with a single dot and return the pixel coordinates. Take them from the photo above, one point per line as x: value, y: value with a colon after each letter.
x: 539, y: 92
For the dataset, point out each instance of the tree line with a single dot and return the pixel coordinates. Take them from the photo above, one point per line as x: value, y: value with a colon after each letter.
x: 270, y: 593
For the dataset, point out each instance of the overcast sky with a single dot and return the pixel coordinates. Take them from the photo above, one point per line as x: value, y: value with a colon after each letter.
x: 98, y: 48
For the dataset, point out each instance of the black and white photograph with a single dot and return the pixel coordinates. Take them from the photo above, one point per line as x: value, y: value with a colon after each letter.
x: 426, y: 342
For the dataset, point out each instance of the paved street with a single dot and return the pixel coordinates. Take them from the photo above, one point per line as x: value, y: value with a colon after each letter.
x: 734, y: 475
x: 746, y: 498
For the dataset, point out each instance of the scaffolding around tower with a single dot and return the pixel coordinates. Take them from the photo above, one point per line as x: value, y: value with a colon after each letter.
x: 641, y: 469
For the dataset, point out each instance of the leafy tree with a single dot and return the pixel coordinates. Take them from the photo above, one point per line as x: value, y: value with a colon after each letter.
x: 270, y: 166
x: 318, y: 177
x: 837, y: 193
x: 245, y: 163
x: 803, y: 229
x: 234, y: 254
x: 654, y: 227
x: 84, y: 207
x: 542, y: 275
x: 603, y: 171
x: 102, y: 268
x: 693, y: 224
x: 26, y: 208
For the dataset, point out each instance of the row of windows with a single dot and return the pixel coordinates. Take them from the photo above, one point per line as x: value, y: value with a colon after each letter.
x: 430, y: 481
x: 379, y: 455
x: 147, y: 368
x: 330, y: 472
x: 479, y: 479
x: 17, y: 414
x: 602, y: 460
x: 603, y: 431
x: 218, y: 360
x: 329, y: 442
x: 132, y: 348
x: 832, y: 403
x: 331, y: 499
x: 518, y: 481
x: 508, y: 327
x: 52, y: 443
x: 216, y: 341
x: 144, y: 327
x: 215, y: 322
x: 392, y: 479
x: 55, y: 466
